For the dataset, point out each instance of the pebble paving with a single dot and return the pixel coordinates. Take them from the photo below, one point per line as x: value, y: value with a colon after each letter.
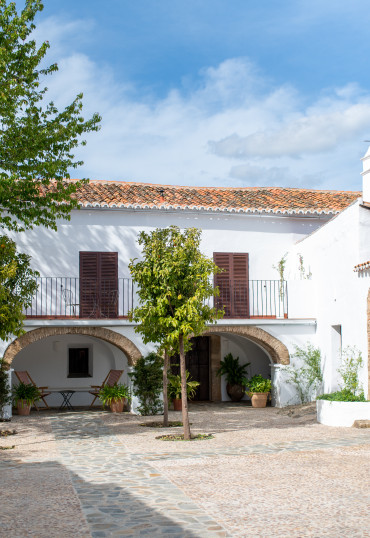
x: 120, y: 494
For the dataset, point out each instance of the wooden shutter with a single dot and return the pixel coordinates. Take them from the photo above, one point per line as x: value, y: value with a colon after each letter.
x: 233, y: 284
x: 109, y: 284
x: 223, y: 260
x: 98, y: 284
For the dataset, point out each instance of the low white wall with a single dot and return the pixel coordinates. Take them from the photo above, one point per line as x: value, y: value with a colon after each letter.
x: 341, y: 413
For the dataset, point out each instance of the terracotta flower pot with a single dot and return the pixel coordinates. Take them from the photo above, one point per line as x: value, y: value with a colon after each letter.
x: 177, y: 404
x: 116, y: 406
x: 235, y: 392
x: 23, y: 408
x: 259, y: 399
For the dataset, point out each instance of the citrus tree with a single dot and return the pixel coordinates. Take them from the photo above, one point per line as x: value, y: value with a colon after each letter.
x: 17, y: 287
x: 174, y: 283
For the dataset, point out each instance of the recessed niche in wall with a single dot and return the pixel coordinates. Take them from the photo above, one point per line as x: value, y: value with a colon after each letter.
x: 79, y: 362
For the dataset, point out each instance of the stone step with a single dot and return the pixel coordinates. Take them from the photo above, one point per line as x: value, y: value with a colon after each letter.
x: 361, y: 424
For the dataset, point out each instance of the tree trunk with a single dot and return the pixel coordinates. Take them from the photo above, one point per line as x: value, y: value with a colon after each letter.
x: 165, y: 391
x: 184, y: 395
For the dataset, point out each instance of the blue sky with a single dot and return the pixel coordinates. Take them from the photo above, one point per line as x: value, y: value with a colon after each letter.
x: 209, y: 92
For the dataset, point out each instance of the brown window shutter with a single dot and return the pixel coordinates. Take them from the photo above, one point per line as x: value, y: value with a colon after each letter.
x: 223, y: 260
x: 98, y: 284
x: 233, y: 284
x: 240, y: 286
x: 109, y: 284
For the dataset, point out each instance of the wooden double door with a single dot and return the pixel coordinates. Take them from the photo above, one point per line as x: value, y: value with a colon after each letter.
x: 197, y: 362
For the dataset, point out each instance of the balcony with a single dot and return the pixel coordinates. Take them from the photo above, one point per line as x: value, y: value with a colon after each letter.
x: 71, y: 298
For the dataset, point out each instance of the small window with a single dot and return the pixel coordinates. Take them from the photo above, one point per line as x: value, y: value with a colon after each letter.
x: 78, y: 362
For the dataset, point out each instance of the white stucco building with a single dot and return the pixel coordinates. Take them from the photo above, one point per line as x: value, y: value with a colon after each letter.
x: 78, y: 319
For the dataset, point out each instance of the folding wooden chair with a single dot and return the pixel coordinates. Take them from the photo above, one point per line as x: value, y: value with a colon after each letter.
x: 24, y: 377
x: 111, y: 380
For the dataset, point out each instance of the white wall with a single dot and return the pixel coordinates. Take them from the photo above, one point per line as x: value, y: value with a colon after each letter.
x: 265, y: 238
x: 341, y: 294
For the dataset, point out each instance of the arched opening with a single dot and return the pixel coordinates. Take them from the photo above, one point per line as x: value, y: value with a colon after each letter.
x: 116, y: 339
x: 250, y: 344
x: 68, y: 359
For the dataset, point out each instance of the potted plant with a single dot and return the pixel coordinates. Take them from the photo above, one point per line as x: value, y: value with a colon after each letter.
x: 235, y: 376
x: 174, y: 389
x: 258, y: 389
x: 115, y: 396
x: 24, y: 396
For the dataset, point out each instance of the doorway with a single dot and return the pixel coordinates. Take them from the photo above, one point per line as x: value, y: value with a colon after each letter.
x: 197, y: 362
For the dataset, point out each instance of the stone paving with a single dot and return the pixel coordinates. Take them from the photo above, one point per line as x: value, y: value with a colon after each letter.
x: 119, y: 494
x: 95, y: 474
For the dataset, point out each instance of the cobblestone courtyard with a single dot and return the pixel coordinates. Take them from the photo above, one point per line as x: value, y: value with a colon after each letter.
x: 267, y: 472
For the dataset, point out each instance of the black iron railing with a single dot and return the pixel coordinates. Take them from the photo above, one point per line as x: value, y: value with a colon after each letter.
x: 67, y: 297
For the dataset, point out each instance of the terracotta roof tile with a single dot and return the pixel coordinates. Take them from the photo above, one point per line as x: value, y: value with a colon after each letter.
x: 362, y: 266
x: 246, y: 199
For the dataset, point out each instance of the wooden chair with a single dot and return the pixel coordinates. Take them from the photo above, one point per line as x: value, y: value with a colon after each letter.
x: 111, y: 380
x: 24, y: 377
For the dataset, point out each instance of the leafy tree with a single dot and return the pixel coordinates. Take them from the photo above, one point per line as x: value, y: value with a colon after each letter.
x: 173, y: 286
x: 17, y: 287
x: 36, y: 140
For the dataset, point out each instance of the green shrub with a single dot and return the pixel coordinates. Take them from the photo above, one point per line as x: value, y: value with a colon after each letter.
x: 307, y: 378
x: 108, y: 394
x: 27, y: 393
x: 235, y: 372
x: 174, y: 386
x: 351, y: 362
x: 147, y: 377
x: 343, y: 396
x: 258, y: 383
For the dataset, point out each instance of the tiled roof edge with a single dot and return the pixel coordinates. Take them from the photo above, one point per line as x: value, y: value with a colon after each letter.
x: 94, y: 205
x: 362, y: 266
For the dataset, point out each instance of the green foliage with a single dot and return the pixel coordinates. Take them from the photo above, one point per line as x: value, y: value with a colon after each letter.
x: 173, y: 286
x: 109, y: 394
x: 344, y: 395
x: 174, y: 387
x: 280, y: 268
x: 147, y: 377
x: 17, y: 287
x: 36, y: 140
x: 5, y: 395
x: 235, y: 372
x: 307, y: 378
x: 351, y: 362
x: 258, y: 383
x: 26, y: 393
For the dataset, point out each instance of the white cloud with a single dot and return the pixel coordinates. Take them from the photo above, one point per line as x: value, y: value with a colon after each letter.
x: 231, y: 128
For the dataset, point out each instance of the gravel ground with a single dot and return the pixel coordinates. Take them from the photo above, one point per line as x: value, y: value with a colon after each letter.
x: 268, y: 472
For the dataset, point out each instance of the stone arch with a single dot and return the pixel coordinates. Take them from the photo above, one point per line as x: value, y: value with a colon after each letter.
x: 274, y: 348
x: 121, y: 342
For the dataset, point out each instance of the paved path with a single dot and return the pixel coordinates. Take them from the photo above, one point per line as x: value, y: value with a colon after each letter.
x: 121, y: 495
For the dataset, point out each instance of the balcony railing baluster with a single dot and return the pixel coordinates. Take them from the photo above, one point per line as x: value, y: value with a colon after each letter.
x: 62, y: 297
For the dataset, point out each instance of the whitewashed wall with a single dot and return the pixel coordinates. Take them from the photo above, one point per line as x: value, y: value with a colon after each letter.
x: 341, y: 294
x: 265, y: 238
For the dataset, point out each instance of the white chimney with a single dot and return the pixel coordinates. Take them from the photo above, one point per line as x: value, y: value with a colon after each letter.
x: 366, y: 177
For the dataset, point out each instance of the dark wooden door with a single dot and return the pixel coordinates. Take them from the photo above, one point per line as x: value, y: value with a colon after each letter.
x: 98, y: 284
x: 197, y: 362
x: 233, y: 284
